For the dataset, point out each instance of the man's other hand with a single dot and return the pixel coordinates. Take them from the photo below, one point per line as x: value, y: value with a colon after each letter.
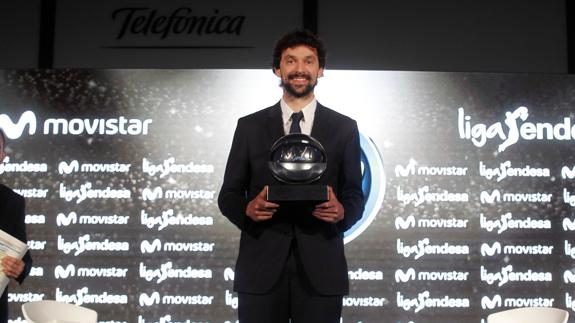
x: 331, y: 211
x: 259, y: 209
x: 12, y: 267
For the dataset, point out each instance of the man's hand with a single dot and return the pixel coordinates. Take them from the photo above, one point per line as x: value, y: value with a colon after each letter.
x: 331, y: 211
x: 12, y: 267
x: 259, y: 209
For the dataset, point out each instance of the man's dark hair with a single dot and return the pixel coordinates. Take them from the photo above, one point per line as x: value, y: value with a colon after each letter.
x: 296, y: 38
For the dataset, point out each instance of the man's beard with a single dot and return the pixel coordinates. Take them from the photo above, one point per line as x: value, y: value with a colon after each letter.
x: 295, y: 93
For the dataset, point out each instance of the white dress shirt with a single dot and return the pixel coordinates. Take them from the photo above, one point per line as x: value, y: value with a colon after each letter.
x: 306, y: 122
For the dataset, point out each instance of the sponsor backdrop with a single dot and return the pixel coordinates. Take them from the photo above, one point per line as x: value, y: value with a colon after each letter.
x: 468, y: 179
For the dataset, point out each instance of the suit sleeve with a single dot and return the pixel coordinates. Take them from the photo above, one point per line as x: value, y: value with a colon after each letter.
x: 17, y: 212
x: 350, y: 190
x: 233, y: 199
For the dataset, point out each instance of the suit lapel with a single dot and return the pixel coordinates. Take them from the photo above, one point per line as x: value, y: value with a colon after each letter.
x: 275, y: 122
x: 320, y: 123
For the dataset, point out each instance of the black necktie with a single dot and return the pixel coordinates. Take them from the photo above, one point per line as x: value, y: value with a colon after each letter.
x: 295, y: 119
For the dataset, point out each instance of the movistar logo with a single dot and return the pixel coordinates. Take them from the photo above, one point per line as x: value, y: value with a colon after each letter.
x: 491, y: 303
x: 15, y: 130
x: 76, y: 126
x: 568, y: 173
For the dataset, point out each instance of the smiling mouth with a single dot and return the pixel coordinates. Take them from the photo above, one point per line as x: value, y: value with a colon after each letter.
x: 299, y: 77
x: 300, y: 80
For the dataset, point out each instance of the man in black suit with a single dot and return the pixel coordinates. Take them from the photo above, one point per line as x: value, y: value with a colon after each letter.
x: 291, y: 262
x: 12, y: 222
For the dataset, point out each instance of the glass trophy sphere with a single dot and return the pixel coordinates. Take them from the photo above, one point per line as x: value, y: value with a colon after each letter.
x: 297, y: 159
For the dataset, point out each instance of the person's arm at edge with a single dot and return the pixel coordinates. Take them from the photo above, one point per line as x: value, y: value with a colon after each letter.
x: 20, y: 234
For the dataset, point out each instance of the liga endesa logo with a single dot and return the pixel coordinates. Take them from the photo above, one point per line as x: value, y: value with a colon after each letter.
x: 516, y: 128
x: 75, y: 126
x: 373, y: 186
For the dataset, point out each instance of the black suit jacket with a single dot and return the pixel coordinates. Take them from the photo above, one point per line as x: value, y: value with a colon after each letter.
x: 12, y: 219
x: 264, y: 246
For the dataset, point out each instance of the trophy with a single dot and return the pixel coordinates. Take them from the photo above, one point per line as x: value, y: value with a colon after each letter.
x: 298, y: 160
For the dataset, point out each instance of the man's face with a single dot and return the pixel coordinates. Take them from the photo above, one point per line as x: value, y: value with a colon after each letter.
x: 299, y: 70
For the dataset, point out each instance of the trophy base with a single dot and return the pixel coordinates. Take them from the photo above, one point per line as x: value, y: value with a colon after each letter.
x: 297, y: 193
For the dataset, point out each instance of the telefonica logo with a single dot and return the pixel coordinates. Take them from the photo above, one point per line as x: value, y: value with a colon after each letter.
x: 181, y: 21
x: 76, y: 126
x: 517, y: 129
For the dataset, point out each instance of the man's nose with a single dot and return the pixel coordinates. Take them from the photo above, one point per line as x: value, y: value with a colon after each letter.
x: 300, y: 66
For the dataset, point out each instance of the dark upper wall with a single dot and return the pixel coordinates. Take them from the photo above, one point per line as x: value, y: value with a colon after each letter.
x: 446, y: 35
x: 19, y: 26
